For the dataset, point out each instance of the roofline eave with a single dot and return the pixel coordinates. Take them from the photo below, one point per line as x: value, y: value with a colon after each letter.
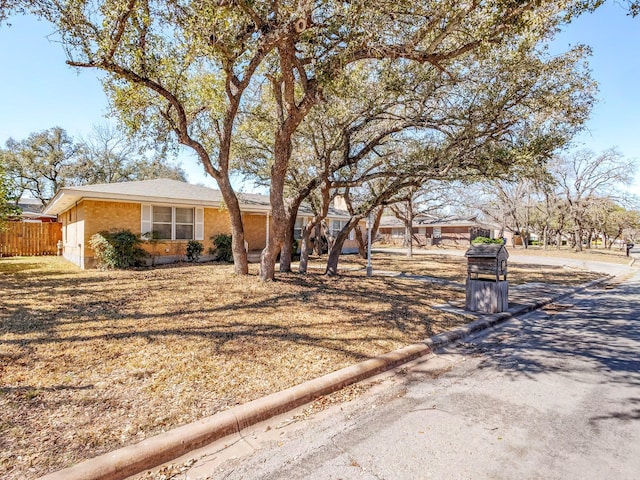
x: 77, y: 196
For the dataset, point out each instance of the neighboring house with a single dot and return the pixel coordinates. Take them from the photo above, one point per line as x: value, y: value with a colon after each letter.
x: 178, y: 211
x: 432, y: 231
x: 31, y: 211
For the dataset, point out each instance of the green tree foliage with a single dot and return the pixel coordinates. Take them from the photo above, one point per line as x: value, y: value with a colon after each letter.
x: 7, y: 202
x: 415, y: 125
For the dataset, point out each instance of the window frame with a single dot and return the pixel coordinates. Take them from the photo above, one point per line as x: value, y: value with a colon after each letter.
x: 197, y: 221
x: 342, y: 223
x: 299, y: 227
x: 175, y: 223
x: 171, y: 222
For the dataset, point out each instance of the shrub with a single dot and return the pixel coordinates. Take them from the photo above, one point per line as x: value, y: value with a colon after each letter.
x: 222, y: 249
x: 117, y: 249
x: 152, y: 238
x: 194, y: 250
x: 478, y: 240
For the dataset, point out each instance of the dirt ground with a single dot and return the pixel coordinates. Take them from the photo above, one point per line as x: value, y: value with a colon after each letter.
x: 91, y: 361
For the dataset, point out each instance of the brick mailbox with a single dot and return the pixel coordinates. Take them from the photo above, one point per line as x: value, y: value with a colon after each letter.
x: 487, y: 287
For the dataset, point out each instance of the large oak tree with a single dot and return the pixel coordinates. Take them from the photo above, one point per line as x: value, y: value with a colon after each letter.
x: 186, y: 66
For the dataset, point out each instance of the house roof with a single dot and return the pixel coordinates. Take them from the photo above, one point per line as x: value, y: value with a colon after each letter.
x: 31, y: 209
x: 395, y: 222
x: 391, y: 221
x: 30, y: 204
x: 162, y: 190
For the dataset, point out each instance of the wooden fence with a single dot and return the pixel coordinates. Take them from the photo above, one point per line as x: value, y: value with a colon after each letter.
x: 26, y: 239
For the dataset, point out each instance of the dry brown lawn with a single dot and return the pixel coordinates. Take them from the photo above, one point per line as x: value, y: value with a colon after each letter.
x: 91, y: 361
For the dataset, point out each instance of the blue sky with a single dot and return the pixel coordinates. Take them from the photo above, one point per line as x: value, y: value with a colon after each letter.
x: 38, y: 90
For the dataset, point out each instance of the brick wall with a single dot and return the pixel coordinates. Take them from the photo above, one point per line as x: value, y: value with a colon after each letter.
x: 216, y: 221
x: 255, y: 230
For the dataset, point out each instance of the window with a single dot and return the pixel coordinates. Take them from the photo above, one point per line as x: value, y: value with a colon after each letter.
x: 437, y: 232
x: 162, y: 221
x: 337, y: 225
x: 297, y: 230
x: 397, y: 232
x: 173, y: 223
x: 184, y: 223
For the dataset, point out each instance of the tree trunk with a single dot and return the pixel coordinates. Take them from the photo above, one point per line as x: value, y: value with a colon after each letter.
x: 304, y: 247
x: 286, y: 251
x: 362, y: 243
x: 336, y: 248
x: 240, y: 263
x: 282, y: 152
x: 334, y: 253
x: 577, y: 238
x: 409, y: 228
x: 317, y: 244
x: 376, y: 222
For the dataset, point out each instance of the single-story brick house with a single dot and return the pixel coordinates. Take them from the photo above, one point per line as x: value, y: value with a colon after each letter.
x: 433, y: 231
x: 177, y: 210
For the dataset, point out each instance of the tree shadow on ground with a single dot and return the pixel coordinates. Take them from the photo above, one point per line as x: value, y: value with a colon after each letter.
x: 403, y: 310
x: 600, y: 332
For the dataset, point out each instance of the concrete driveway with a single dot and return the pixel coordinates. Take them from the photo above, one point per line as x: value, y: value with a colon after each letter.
x: 552, y: 395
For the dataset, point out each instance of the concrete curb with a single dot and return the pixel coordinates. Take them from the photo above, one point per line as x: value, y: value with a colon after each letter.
x: 125, y: 462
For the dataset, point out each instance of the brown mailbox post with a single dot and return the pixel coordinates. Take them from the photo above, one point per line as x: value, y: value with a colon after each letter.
x: 487, y: 286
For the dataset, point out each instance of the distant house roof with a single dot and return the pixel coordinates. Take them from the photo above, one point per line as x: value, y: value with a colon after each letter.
x: 30, y: 204
x: 391, y: 221
x: 31, y: 210
x: 161, y: 190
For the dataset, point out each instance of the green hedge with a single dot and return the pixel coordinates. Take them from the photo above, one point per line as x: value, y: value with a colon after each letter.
x: 478, y: 240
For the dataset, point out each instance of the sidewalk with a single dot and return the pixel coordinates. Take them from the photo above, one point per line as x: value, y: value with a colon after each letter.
x: 182, y: 441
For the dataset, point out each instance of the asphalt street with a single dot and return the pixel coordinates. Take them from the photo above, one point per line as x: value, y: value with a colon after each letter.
x: 553, y: 395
